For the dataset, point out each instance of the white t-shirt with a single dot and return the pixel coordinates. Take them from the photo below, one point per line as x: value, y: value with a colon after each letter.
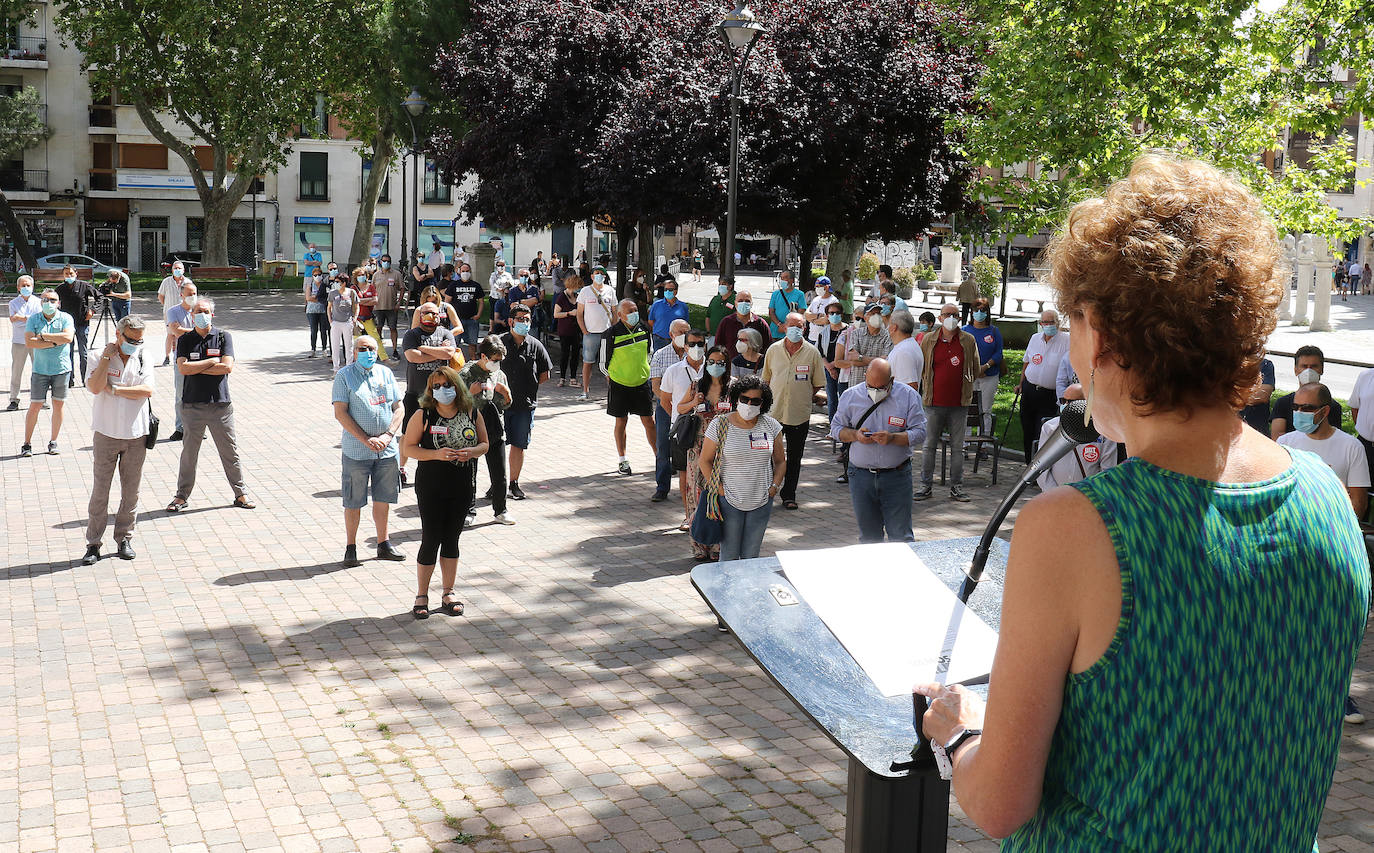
x: 1362, y: 399
x: 26, y: 308
x: 1042, y: 359
x: 907, y: 362
x: 170, y: 291
x: 818, y: 306
x: 122, y: 417
x: 1341, y: 451
x: 1085, y: 461
x: 435, y: 259
x: 598, y: 319
x: 680, y: 381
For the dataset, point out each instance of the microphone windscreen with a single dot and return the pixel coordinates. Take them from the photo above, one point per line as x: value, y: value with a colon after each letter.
x: 1071, y: 423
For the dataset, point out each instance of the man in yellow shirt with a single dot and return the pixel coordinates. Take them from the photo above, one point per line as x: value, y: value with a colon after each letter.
x: 794, y: 370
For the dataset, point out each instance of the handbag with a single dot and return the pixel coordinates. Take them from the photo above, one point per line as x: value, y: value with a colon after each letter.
x: 708, y: 524
x: 150, y: 439
x: 683, y: 438
x: 844, y: 449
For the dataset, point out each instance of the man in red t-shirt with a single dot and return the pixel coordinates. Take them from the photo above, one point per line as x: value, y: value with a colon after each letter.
x: 951, y: 365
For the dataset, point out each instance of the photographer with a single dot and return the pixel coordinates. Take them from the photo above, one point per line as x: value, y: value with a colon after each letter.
x: 119, y: 290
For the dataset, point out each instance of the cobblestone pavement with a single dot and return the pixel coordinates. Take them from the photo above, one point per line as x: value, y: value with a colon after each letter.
x: 234, y: 689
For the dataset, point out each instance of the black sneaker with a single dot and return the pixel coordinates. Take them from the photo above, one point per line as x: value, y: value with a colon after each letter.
x: 957, y: 493
x: 350, y: 559
x: 843, y: 478
x: 516, y: 492
x: 93, y: 554
x: 659, y: 497
x: 26, y: 450
x: 175, y: 436
x: 1352, y: 712
x: 52, y: 448
x: 924, y: 493
x: 13, y: 406
x: 387, y: 551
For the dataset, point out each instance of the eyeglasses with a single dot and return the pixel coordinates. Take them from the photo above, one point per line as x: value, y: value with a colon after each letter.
x: 697, y: 343
x: 715, y: 361
x: 1308, y: 407
x: 744, y: 399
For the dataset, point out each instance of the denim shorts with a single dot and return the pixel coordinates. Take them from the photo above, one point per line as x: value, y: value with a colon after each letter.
x: 41, y: 383
x: 383, y: 474
x: 519, y: 424
x: 470, y: 329
x: 591, y: 347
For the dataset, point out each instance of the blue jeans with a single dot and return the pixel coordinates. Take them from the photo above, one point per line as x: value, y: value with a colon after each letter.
x: 663, y: 453
x: 833, y: 389
x: 882, y: 501
x: 119, y: 309
x: 743, y: 537
x: 657, y: 342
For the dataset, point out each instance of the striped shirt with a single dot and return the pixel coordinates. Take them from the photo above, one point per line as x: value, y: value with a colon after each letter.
x: 665, y: 358
x: 746, y: 467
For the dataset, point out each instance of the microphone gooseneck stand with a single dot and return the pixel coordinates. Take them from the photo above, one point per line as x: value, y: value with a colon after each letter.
x: 1071, y: 433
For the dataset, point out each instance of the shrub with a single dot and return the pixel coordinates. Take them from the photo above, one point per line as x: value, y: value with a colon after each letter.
x: 923, y: 272
x: 905, y: 281
x: 987, y: 273
x: 868, y: 267
x: 816, y: 273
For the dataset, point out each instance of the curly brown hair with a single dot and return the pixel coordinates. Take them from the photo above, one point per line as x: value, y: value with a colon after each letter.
x: 1181, y: 269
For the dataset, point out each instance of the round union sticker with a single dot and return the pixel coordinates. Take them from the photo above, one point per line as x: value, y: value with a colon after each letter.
x: 1037, y: 359
x: 987, y: 339
x: 954, y: 360
x: 469, y: 434
x: 1091, y: 453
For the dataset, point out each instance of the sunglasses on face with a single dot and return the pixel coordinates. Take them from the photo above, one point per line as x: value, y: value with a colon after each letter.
x: 751, y: 399
x: 1308, y: 407
x: 715, y: 361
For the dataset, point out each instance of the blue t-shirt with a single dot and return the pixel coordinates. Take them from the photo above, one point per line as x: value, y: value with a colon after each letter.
x: 989, y: 342
x: 662, y: 314
x: 370, y: 396
x: 51, y: 361
x: 782, y: 303
x: 317, y: 259
x: 1257, y: 414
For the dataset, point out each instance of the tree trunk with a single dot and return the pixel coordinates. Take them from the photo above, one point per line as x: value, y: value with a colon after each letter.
x: 17, y: 234
x: 844, y: 255
x: 806, y: 241
x: 623, y: 234
x: 361, y: 246
x: 647, y: 255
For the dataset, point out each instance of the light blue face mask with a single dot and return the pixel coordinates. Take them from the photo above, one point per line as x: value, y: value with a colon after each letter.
x: 923, y: 327
x: 521, y: 329
x: 130, y: 349
x: 26, y: 292
x: 1049, y: 331
x: 632, y: 318
x: 716, y: 370
x: 201, y: 320
x: 722, y: 289
x: 794, y: 334
x: 367, y: 358
x: 887, y: 310
x: 1305, y: 422
x: 670, y: 295
x: 744, y: 307
x: 445, y: 394
x: 980, y: 316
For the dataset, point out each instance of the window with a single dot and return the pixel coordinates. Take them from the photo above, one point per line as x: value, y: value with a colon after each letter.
x: 1299, y: 141
x: 139, y: 156
x: 314, y: 176
x: 385, y: 195
x: 195, y: 234
x: 318, y: 125
x: 436, y: 192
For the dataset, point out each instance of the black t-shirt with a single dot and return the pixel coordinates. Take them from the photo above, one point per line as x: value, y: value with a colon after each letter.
x: 1283, y: 408
x: 466, y: 296
x: 523, y: 365
x: 195, y: 347
x: 418, y: 374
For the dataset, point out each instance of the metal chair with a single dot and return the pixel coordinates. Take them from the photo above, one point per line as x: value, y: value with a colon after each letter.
x: 975, y: 436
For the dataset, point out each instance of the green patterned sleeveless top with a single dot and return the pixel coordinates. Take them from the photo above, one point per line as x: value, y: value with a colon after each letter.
x: 1214, y: 718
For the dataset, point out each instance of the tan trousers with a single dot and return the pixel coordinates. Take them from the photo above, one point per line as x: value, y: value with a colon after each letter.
x: 127, y: 454
x: 219, y: 418
x: 18, y: 353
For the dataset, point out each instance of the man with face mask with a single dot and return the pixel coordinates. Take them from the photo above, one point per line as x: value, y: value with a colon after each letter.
x: 367, y: 404
x: 122, y: 382
x: 80, y: 300
x: 468, y: 299
x: 627, y: 375
x: 663, y: 312
x: 389, y: 286
x: 816, y: 311
x: 1039, y: 398
x: 168, y: 295
x: 951, y: 366
x: 22, y: 307
x: 205, y: 358
x: 1085, y: 460
x: 1308, y: 365
x: 678, y: 396
x: 659, y: 364
x: 721, y: 306
x: 527, y: 366
x: 906, y: 359
x: 743, y: 317
x: 179, y: 323
x: 595, y: 313
x: 882, y: 421
x: 48, y: 334
x: 311, y: 261
x: 794, y: 370
x: 785, y: 299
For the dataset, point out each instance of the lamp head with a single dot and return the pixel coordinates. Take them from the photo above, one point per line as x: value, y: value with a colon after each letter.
x: 415, y: 103
x: 740, y: 27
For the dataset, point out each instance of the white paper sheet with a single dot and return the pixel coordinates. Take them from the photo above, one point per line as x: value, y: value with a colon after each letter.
x: 893, y: 614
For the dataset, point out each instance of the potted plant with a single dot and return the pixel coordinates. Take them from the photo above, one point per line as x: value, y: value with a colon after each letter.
x: 868, y: 268
x: 905, y: 281
x: 924, y: 274
x: 987, y: 274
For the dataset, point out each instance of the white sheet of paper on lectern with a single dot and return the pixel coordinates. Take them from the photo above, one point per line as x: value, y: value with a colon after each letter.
x: 893, y: 615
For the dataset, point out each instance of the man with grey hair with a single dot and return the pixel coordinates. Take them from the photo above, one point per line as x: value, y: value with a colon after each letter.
x: 906, y: 359
x: 179, y: 324
x: 22, y: 307
x: 205, y: 358
x: 122, y: 382
x: 627, y: 374
x: 662, y: 359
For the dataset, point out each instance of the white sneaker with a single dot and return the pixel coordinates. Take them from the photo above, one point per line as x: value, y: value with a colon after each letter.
x: 504, y: 518
x: 582, y: 397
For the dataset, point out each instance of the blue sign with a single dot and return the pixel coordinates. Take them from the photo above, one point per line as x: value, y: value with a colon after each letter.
x: 436, y: 223
x: 314, y: 220
x: 382, y: 221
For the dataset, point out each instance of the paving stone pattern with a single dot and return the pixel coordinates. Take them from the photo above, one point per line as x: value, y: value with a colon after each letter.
x: 235, y: 689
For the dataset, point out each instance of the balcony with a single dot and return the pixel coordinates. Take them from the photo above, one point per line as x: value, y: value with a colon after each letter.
x: 24, y: 180
x: 24, y: 52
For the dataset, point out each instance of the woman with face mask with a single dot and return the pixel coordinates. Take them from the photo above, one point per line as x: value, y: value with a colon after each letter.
x: 713, y: 399
x: 316, y: 302
x: 421, y: 277
x: 446, y: 438
x: 831, y: 341
x: 343, y: 320
x: 448, y: 318
x: 989, y: 340
x: 569, y: 332
x: 748, y: 360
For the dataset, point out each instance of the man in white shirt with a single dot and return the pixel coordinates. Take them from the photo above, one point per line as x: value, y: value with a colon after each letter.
x: 1039, y: 399
x: 906, y: 359
x: 677, y: 390
x: 1085, y: 461
x: 122, y: 382
x: 169, y: 296
x: 1312, y: 431
x: 1362, y: 413
x: 815, y: 312
x: 595, y: 314
x: 659, y: 362
x: 22, y: 307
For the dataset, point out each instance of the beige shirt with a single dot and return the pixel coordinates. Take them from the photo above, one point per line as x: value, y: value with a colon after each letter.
x: 794, y: 378
x: 389, y: 285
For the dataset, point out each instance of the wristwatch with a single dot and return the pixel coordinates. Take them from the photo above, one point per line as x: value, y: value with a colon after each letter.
x: 944, y: 754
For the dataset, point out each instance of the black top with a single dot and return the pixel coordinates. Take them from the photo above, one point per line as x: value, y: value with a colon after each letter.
x: 195, y: 347
x: 523, y: 365
x: 418, y: 374
x: 467, y: 297
x: 1283, y: 408
x: 78, y: 299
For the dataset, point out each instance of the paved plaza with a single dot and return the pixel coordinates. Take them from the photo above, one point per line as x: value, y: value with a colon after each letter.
x: 235, y: 689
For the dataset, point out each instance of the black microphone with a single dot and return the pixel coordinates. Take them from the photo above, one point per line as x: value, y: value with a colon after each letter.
x: 1073, y: 430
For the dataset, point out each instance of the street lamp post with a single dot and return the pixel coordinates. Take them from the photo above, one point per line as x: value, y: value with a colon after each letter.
x: 414, y: 105
x: 740, y: 31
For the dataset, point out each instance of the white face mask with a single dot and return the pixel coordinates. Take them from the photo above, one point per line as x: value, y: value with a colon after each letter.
x: 741, y: 347
x: 680, y: 341
x: 874, y: 321
x: 749, y: 411
x: 877, y: 395
x: 951, y: 322
x: 1309, y: 376
x: 696, y: 353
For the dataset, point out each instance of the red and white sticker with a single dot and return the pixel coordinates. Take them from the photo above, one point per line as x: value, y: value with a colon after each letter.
x: 212, y: 353
x: 803, y: 371
x: 1091, y: 453
x: 1037, y: 359
x: 896, y: 422
x: 954, y: 360
x: 438, y: 430
x: 379, y: 400
x: 192, y: 356
x: 987, y: 339
x: 760, y: 442
x: 723, y: 406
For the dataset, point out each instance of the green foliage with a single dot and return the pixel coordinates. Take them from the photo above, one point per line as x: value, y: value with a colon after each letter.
x: 906, y: 282
x: 868, y: 266
x: 987, y: 273
x: 21, y: 126
x: 923, y: 271
x: 816, y: 273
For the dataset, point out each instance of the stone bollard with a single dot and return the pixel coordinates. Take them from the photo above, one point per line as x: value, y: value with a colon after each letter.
x: 1305, y: 259
x: 1321, y: 280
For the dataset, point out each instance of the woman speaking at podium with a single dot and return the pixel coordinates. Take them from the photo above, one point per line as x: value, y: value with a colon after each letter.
x: 1178, y: 632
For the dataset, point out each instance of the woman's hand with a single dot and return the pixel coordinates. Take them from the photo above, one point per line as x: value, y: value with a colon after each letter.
x: 449, y: 454
x: 950, y: 708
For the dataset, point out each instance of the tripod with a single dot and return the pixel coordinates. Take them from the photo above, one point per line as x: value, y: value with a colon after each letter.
x: 103, y: 322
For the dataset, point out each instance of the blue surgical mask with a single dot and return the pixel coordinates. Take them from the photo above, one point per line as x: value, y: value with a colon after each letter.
x: 716, y: 370
x: 366, y: 358
x: 69, y: 279
x: 26, y: 292
x: 632, y: 318
x: 49, y: 309
x: 524, y: 279
x: 670, y: 295
x: 386, y: 265
x: 201, y: 320
x: 1048, y: 330
x: 794, y: 334
x: 836, y: 319
x: 722, y: 289
x: 744, y: 307
x: 887, y: 310
x: 445, y: 395
x: 980, y: 316
x: 521, y: 329
x: 130, y: 349
x: 923, y: 327
x: 1305, y: 422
